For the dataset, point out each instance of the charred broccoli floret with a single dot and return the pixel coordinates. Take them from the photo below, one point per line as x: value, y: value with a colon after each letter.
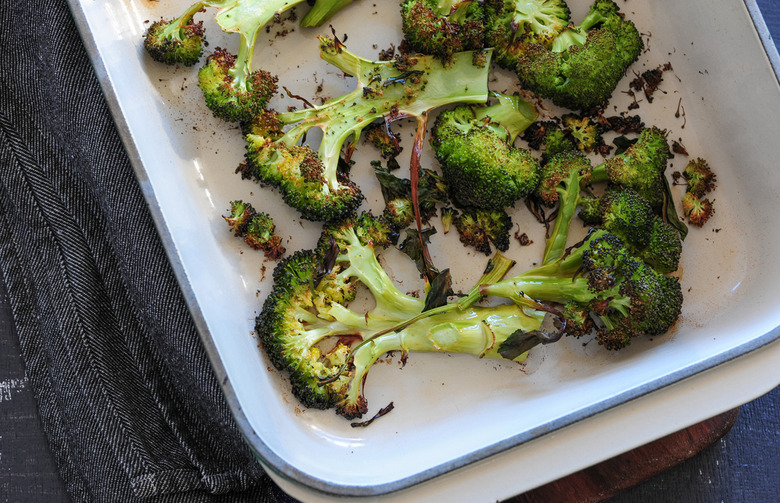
x: 479, y: 163
x: 697, y: 210
x: 513, y: 25
x: 233, y: 91
x: 397, y: 193
x: 310, y: 180
x: 479, y: 228
x: 626, y: 296
x: 256, y: 229
x: 178, y: 41
x: 641, y: 167
x: 647, y: 236
x: 443, y: 27
x: 586, y: 132
x: 699, y: 177
x: 585, y: 63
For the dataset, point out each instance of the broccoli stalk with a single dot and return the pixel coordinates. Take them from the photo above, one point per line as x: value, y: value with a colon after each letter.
x: 477, y: 331
x: 312, y: 182
x: 308, y: 306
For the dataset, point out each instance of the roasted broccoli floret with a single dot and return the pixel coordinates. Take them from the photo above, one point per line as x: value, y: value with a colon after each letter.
x: 585, y: 131
x: 397, y: 193
x: 256, y: 229
x: 479, y: 228
x: 641, y: 167
x: 442, y: 27
x: 699, y: 177
x: 310, y: 180
x: 233, y: 91
x: 307, y: 309
x: 585, y: 63
x: 697, y: 210
x: 626, y: 296
x: 178, y: 41
x: 647, y: 236
x: 479, y: 163
x: 513, y: 25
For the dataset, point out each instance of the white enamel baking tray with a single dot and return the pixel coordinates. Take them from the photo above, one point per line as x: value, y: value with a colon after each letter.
x: 463, y: 428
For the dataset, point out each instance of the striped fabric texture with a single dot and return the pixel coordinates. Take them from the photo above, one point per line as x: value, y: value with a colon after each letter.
x: 128, y: 400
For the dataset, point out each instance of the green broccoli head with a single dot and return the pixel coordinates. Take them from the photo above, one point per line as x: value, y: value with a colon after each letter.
x: 585, y: 131
x: 602, y: 278
x: 513, y: 25
x: 442, y: 27
x: 585, y: 63
x: 641, y: 167
x: 231, y: 100
x: 481, y: 168
x: 178, y: 41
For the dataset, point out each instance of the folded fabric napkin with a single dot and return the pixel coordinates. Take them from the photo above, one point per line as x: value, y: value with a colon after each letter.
x: 128, y: 400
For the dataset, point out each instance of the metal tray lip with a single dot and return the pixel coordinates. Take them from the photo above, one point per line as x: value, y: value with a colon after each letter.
x: 258, y: 446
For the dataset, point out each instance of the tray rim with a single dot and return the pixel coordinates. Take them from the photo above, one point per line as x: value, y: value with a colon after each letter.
x: 265, y: 455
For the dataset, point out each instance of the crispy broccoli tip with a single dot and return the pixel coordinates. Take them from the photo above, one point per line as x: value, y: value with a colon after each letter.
x: 442, y: 27
x: 585, y: 63
x: 587, y: 133
x: 256, y: 229
x: 479, y: 228
x: 481, y: 167
x: 699, y: 177
x: 178, y: 41
x: 697, y: 210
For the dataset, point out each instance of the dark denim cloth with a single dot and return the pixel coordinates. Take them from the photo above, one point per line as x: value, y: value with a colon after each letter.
x: 128, y: 401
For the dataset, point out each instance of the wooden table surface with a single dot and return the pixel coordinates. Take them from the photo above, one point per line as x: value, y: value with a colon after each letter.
x: 743, y: 466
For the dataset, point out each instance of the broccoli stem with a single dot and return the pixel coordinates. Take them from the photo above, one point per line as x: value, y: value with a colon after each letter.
x: 477, y: 331
x: 175, y: 29
x: 512, y: 113
x: 321, y: 11
x: 569, y: 200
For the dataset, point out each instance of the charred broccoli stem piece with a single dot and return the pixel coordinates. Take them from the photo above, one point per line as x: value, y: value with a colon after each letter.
x: 310, y: 180
x: 479, y: 163
x: 513, y: 25
x: 256, y: 229
x: 585, y: 63
x: 442, y: 27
